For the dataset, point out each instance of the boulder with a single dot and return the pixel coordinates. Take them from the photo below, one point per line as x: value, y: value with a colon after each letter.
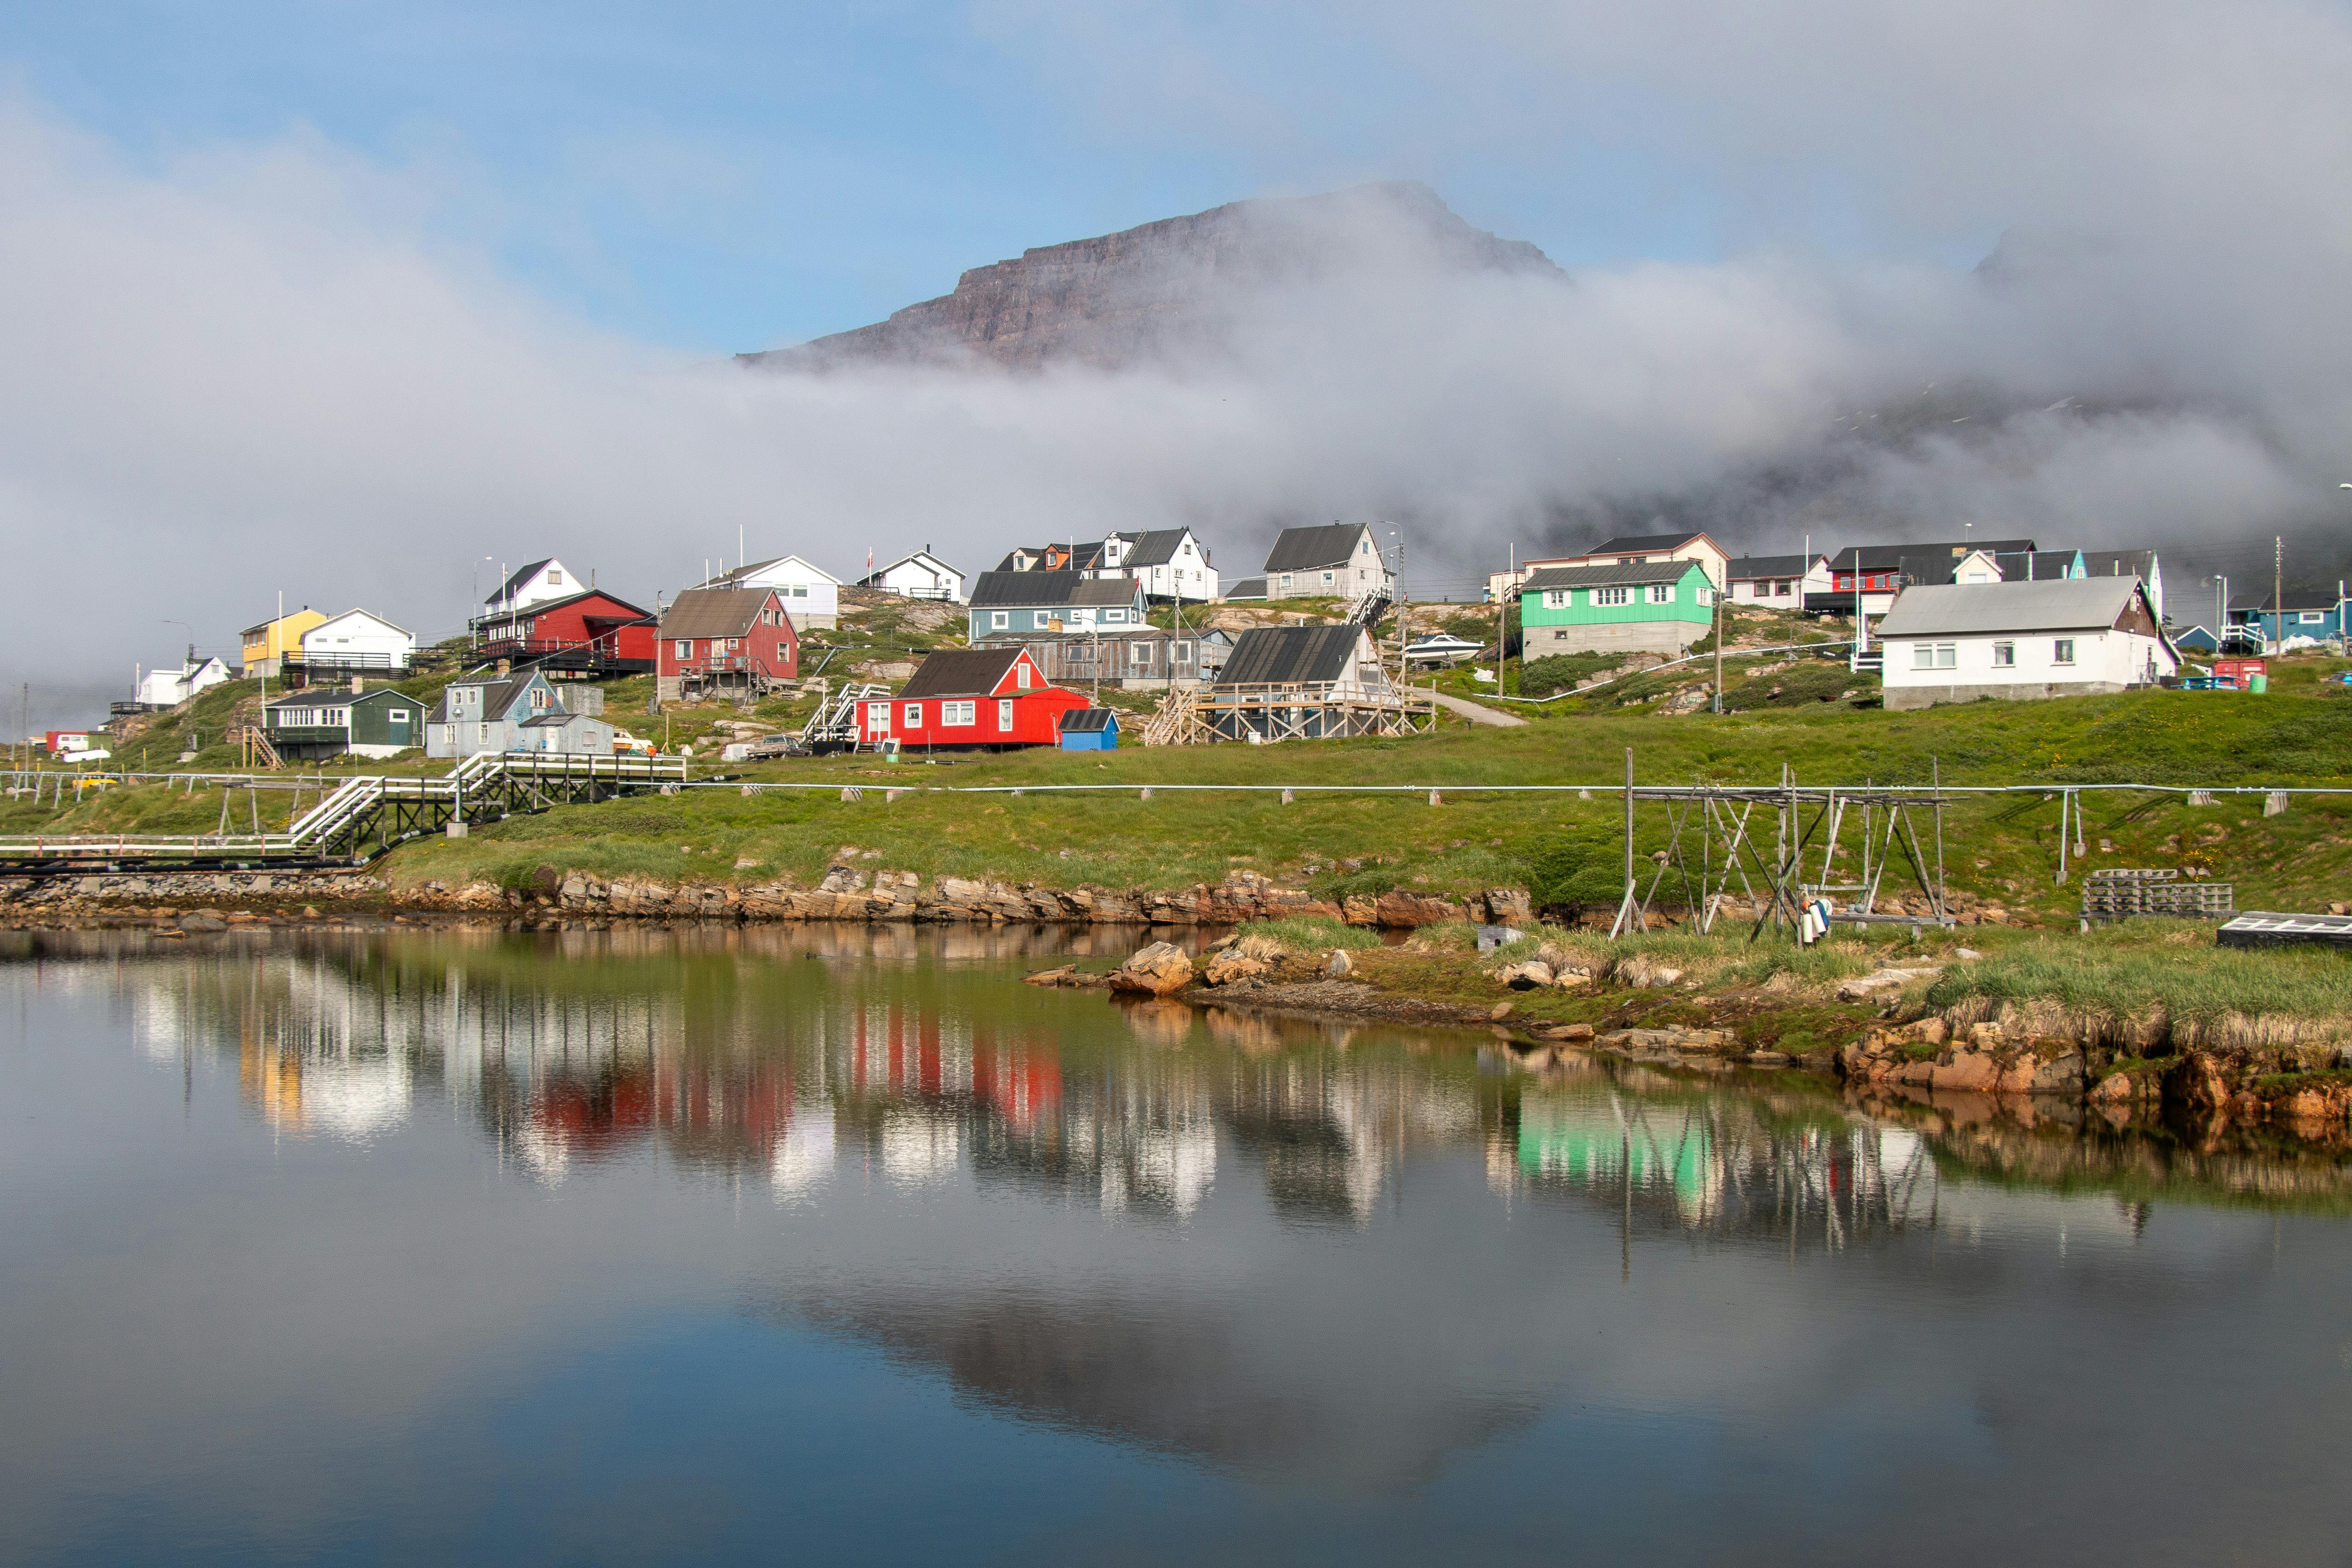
x: 1153, y: 971
x: 1340, y: 965
x: 1530, y: 976
x: 204, y: 920
x: 2197, y: 1082
x: 1880, y: 982
x: 1568, y: 1032
x: 1224, y: 968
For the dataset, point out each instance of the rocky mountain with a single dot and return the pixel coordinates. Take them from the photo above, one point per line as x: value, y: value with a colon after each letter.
x: 1168, y: 288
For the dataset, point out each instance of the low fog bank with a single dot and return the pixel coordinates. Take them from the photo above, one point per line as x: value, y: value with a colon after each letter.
x: 247, y: 371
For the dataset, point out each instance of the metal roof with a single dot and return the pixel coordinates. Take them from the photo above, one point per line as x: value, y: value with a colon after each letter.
x: 524, y: 612
x: 1089, y: 720
x: 2060, y: 604
x: 1275, y: 656
x: 1048, y: 590
x: 1889, y: 557
x: 715, y: 612
x: 1312, y: 549
x: 1639, y: 572
x: 963, y: 672
x: 1632, y: 543
x: 1749, y: 566
x: 513, y: 585
x: 1247, y: 588
x: 1153, y: 547
x: 2120, y: 564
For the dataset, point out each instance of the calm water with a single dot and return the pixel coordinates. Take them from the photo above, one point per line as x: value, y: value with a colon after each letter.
x: 846, y: 1247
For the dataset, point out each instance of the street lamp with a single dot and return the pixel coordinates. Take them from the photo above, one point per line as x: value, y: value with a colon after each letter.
x: 2221, y: 611
x: 184, y: 625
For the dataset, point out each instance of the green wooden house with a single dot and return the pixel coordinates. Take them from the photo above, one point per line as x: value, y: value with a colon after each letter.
x: 327, y: 722
x: 1648, y: 607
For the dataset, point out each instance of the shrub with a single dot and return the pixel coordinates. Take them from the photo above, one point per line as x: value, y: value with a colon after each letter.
x: 1815, y: 680
x: 1560, y: 671
x: 1302, y: 934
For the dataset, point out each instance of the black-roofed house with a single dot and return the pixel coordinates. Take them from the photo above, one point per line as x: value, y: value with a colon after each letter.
x: 324, y: 722
x: 966, y: 699
x: 1139, y: 659
x: 734, y: 643
x: 1170, y: 563
x: 1776, y: 582
x: 2066, y: 636
x: 1339, y: 560
x: 1301, y: 683
x: 1089, y: 730
x: 1867, y: 577
x: 1006, y: 603
x: 2140, y: 563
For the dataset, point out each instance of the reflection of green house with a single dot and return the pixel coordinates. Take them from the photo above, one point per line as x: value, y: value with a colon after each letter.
x: 1578, y: 1141
x: 1648, y: 607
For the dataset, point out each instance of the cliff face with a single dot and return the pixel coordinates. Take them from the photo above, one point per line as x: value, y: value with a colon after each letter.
x: 1168, y: 288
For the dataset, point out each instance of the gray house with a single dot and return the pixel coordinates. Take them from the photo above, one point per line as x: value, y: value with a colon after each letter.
x: 1143, y: 658
x: 1013, y: 602
x: 500, y: 714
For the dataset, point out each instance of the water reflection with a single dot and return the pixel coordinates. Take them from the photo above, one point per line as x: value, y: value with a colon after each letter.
x: 1367, y: 1263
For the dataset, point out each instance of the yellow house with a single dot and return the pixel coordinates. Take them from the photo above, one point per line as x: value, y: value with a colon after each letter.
x: 267, y: 645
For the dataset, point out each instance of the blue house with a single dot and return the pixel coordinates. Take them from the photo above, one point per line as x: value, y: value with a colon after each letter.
x: 2197, y: 639
x: 2320, y: 620
x: 1089, y: 730
x: 1063, y: 600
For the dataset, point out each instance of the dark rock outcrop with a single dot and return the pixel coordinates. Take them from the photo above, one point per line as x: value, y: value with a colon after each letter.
x: 1168, y: 288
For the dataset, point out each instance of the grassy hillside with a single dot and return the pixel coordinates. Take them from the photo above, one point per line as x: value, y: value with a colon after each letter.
x: 2302, y: 733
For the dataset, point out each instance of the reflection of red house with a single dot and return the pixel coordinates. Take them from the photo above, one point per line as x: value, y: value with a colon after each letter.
x: 592, y: 1117
x: 593, y: 628
x: 971, y: 697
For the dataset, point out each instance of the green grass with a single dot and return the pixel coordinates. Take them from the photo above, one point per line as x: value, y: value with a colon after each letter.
x: 2138, y: 967
x: 1309, y: 933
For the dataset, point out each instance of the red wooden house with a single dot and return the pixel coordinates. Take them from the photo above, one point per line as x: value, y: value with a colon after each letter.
x: 574, y: 632
x: 992, y: 697
x: 720, y: 639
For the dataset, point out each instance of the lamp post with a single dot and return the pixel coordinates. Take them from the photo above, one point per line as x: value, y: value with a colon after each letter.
x: 2221, y: 611
x: 474, y: 604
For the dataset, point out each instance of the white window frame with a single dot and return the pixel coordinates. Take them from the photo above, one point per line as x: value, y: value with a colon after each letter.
x: 2004, y: 656
x: 1612, y: 596
x: 999, y: 620
x: 1021, y: 673
x: 911, y: 715
x: 1556, y: 598
x: 1662, y: 593
x: 959, y: 715
x: 877, y: 716
x: 684, y: 649
x: 1004, y: 715
x: 2312, y: 618
x: 1935, y: 656
x: 2062, y: 651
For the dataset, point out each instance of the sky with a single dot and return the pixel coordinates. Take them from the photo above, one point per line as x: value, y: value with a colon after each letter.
x: 357, y: 302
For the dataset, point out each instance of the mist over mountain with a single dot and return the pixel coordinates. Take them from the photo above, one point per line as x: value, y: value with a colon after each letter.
x: 1171, y: 290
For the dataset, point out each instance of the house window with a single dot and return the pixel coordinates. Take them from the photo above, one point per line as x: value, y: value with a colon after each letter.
x: 1556, y: 598
x: 1115, y: 615
x: 685, y: 648
x: 1180, y: 653
x: 999, y: 620
x: 2313, y: 617
x: 2004, y: 656
x: 1286, y: 581
x: 1139, y: 655
x: 1934, y: 654
x: 1612, y: 596
x: 800, y: 589
x: 1780, y: 589
x: 539, y: 698
x: 554, y: 579
x: 485, y: 734
x: 1043, y: 619
x: 958, y: 713
x: 1662, y: 593
x: 877, y: 716
x: 1005, y: 713
x: 1561, y: 634
x: 1021, y: 673
x: 1327, y: 579
x: 913, y: 715
x: 2061, y: 651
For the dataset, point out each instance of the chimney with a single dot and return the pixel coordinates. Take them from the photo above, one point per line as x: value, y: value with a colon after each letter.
x: 505, y: 667
x: 356, y: 687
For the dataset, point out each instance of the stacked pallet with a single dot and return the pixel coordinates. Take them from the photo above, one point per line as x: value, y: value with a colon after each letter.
x: 2114, y: 895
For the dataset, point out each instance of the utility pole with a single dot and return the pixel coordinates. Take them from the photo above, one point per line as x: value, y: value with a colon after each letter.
x: 1719, y: 652
x: 2278, y: 588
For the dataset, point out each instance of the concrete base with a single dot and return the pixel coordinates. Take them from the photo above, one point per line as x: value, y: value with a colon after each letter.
x: 457, y: 829
x: 1905, y: 698
x: 1672, y: 638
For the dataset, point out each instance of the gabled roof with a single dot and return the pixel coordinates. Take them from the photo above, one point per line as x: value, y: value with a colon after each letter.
x: 516, y: 584
x: 1639, y: 572
x: 2059, y: 604
x: 1749, y: 566
x: 338, y: 697
x: 1048, y: 590
x: 909, y: 558
x: 499, y: 694
x: 2140, y: 563
x: 1638, y: 544
x: 715, y: 612
x: 1312, y: 549
x: 370, y: 614
x: 554, y: 716
x: 1088, y: 720
x: 2034, y: 565
x: 963, y: 672
x: 735, y: 574
x: 543, y: 606
x: 1247, y: 588
x: 1267, y: 655
x: 1889, y: 557
x: 259, y: 626
x: 1153, y: 547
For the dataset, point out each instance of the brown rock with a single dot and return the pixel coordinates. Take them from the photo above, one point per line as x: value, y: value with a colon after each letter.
x: 1568, y: 1032
x: 1224, y: 968
x: 2197, y: 1082
x: 1500, y: 1011
x: 1153, y: 971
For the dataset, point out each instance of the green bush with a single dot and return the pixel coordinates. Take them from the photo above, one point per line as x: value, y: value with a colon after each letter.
x: 1309, y: 933
x: 1814, y: 680
x: 1575, y: 865
x: 1560, y: 671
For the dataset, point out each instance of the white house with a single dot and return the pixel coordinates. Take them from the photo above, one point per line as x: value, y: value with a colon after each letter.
x: 1169, y: 562
x: 2140, y: 563
x: 170, y: 688
x: 921, y: 575
x: 1956, y: 642
x: 812, y: 595
x: 1776, y: 582
x: 1648, y: 549
x: 532, y: 584
x: 1340, y: 559
x: 357, y: 640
